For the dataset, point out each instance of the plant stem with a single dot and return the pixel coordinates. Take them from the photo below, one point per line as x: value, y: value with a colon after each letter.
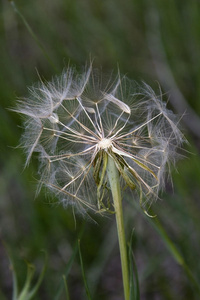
x: 113, y: 176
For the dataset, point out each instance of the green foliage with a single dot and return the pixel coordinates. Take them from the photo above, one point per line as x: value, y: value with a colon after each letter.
x: 28, y: 291
x: 83, y: 273
x: 134, y: 278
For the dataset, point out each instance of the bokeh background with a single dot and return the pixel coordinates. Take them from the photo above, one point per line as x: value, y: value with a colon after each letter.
x: 155, y: 41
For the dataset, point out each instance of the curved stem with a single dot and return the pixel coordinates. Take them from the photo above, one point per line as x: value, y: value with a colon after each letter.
x: 113, y: 176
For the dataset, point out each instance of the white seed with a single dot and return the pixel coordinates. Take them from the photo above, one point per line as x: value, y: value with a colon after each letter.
x: 105, y: 143
x: 54, y: 118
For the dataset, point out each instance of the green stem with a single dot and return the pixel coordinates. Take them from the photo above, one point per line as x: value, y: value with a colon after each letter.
x: 113, y: 176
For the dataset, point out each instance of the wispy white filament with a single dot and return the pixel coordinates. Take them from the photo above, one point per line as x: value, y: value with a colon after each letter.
x: 75, y: 120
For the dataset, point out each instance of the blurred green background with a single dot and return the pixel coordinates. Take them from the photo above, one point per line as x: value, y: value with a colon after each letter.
x: 154, y: 41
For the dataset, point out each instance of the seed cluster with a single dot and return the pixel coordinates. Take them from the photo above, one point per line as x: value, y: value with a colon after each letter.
x: 76, y: 121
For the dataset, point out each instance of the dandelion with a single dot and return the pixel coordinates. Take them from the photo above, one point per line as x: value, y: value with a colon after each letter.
x: 77, y: 122
x: 97, y: 137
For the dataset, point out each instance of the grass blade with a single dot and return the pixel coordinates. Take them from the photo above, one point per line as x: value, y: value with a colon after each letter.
x: 83, y: 273
x: 68, y: 268
x: 175, y: 253
x: 171, y: 248
x: 134, y: 280
x: 66, y: 288
x: 32, y: 34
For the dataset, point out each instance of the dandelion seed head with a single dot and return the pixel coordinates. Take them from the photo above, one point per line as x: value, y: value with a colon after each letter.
x: 76, y: 121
